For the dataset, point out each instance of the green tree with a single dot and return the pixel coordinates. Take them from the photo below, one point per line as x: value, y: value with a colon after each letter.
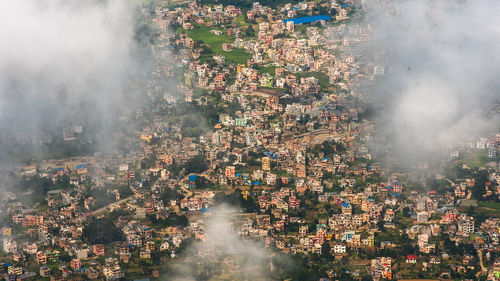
x: 197, y: 164
x: 102, y: 231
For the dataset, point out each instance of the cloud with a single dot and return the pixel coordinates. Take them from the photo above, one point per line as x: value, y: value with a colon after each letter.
x: 64, y: 62
x: 441, y: 72
x: 223, y: 253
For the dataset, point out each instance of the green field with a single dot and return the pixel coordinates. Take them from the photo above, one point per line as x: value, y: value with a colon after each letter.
x: 476, y: 159
x: 240, y: 20
x: 489, y: 209
x: 323, y: 79
x: 214, y: 42
x: 267, y: 69
x: 490, y: 205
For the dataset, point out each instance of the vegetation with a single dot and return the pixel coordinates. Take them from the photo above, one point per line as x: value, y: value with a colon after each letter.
x: 267, y: 69
x: 323, y: 79
x: 197, y: 164
x: 172, y: 220
x: 201, y: 33
x: 246, y: 5
x: 102, y: 231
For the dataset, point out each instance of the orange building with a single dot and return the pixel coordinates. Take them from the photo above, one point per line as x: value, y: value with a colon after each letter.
x: 230, y: 172
x: 266, y: 163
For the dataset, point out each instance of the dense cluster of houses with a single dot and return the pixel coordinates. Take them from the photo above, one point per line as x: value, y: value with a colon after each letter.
x: 294, y: 146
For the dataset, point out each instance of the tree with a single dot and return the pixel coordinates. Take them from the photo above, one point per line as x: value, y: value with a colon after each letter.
x: 367, y: 278
x: 406, y: 212
x: 250, y: 31
x: 197, y: 164
x: 480, y: 181
x: 102, y: 231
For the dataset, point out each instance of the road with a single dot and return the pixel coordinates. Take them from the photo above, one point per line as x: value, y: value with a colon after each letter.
x: 483, y: 269
x: 105, y: 208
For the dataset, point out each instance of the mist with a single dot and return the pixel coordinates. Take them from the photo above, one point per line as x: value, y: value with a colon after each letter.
x: 65, y: 64
x: 441, y: 64
x: 222, y: 254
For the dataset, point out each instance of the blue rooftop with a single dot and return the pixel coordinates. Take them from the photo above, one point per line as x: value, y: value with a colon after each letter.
x: 307, y: 19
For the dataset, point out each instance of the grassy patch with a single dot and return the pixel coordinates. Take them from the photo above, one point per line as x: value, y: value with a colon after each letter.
x: 238, y: 56
x: 240, y: 20
x: 267, y: 69
x: 490, y: 205
x: 214, y: 42
x: 476, y: 159
x: 323, y: 79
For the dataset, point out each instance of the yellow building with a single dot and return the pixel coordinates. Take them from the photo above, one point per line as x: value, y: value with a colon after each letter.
x: 7, y: 231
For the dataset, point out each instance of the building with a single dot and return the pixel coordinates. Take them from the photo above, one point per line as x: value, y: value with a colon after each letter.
x: 492, y: 152
x: 466, y: 226
x: 422, y: 217
x: 76, y: 264
x: 44, y: 271
x: 15, y: 270
x: 266, y: 163
x: 411, y: 259
x: 339, y: 249
x: 9, y: 245
x: 381, y: 268
x: 98, y: 249
x: 230, y: 172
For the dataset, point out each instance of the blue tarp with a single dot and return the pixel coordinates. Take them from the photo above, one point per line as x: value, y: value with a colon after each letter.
x: 192, y: 177
x: 307, y: 19
x: 81, y: 166
x: 345, y: 205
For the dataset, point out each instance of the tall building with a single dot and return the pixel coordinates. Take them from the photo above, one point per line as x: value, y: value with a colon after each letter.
x: 266, y: 163
x: 492, y: 152
x: 230, y: 172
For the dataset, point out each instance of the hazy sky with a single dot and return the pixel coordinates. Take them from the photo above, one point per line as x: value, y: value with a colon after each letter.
x: 56, y: 54
x: 441, y: 72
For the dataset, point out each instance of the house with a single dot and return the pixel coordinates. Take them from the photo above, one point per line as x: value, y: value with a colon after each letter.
x: 76, y: 264
x: 339, y: 249
x: 411, y: 259
x: 98, y: 249
x: 230, y: 172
